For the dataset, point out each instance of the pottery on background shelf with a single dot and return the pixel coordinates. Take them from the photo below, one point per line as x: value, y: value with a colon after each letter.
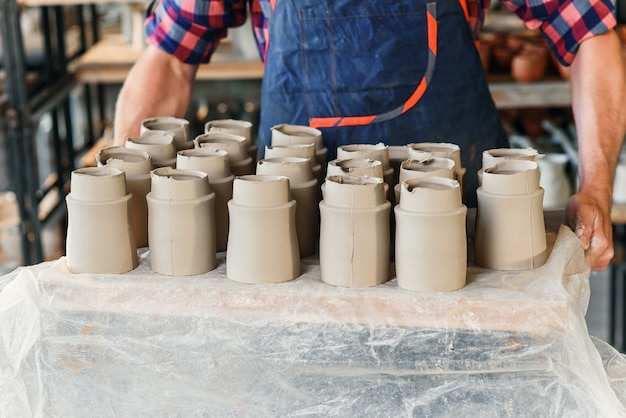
x: 354, y: 232
x: 236, y: 127
x: 236, y: 146
x: 158, y: 144
x: 428, y: 167
x: 286, y: 134
x: 178, y: 127
x: 554, y: 181
x: 305, y: 192
x: 619, y: 183
x: 493, y: 156
x: 136, y: 166
x: 262, y: 241
x: 297, y: 150
x: 510, y: 229
x: 442, y: 150
x: 215, y: 163
x: 100, y: 237
x: 431, y: 242
x: 181, y: 222
x: 378, y: 152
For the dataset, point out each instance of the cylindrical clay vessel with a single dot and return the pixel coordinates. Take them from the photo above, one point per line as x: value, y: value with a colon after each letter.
x: 158, y: 144
x: 177, y: 127
x: 100, y: 237
x: 431, y: 244
x: 235, y: 145
x: 236, y: 127
x: 181, y: 222
x: 262, y: 241
x: 354, y: 232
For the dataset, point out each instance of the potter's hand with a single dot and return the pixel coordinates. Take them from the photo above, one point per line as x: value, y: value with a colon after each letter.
x: 592, y: 224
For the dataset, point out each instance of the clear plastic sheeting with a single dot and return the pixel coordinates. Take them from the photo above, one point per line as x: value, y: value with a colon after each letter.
x: 141, y: 344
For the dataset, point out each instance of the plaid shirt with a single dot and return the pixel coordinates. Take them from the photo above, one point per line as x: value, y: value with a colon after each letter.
x: 191, y: 29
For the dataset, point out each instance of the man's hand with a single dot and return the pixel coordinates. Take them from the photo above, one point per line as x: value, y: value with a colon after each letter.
x: 592, y: 225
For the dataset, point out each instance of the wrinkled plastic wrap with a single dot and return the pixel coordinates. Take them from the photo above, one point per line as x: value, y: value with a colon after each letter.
x: 141, y: 344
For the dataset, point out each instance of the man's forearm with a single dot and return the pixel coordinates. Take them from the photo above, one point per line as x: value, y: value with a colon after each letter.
x: 157, y: 85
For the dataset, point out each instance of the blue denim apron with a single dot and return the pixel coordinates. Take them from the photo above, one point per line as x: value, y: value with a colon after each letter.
x: 391, y: 71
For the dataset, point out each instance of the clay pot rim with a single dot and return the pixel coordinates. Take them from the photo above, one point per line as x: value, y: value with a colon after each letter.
x: 118, y: 151
x: 296, y: 130
x: 446, y: 163
x: 434, y: 147
x: 355, y: 180
x: 186, y: 173
x: 219, y: 137
x: 178, y: 122
x: 203, y: 152
x: 155, y: 138
x: 344, y: 164
x: 512, y: 167
x: 228, y: 124
x: 285, y: 160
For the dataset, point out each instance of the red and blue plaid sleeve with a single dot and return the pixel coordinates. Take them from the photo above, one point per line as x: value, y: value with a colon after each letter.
x: 565, y: 23
x: 192, y: 29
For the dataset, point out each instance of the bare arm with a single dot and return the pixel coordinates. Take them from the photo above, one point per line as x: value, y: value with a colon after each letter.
x: 598, y: 83
x: 157, y: 85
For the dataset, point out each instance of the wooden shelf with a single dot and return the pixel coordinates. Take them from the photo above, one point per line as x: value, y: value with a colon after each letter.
x: 549, y: 93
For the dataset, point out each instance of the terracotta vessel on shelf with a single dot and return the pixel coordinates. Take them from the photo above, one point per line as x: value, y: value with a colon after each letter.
x: 136, y: 166
x: 181, y: 222
x: 529, y: 65
x: 354, y: 232
x: 215, y: 163
x: 305, y: 192
x: 262, y: 241
x: 431, y: 167
x: 510, y: 229
x: 286, y: 134
x: 236, y: 127
x: 158, y: 144
x: 100, y: 237
x: 297, y: 150
x: 235, y: 145
x: 178, y: 127
x: 431, y: 244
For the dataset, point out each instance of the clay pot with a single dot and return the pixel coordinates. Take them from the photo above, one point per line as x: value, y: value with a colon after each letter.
x: 262, y: 242
x: 235, y: 145
x: 431, y: 244
x: 433, y: 167
x: 619, y: 183
x: 136, y: 166
x: 297, y: 150
x: 100, y: 237
x: 236, y: 127
x: 158, y: 144
x: 355, y: 167
x: 554, y: 181
x: 493, y: 156
x: 529, y: 65
x: 178, y: 127
x: 378, y: 152
x: 181, y: 222
x: 304, y: 190
x: 502, y: 57
x: 442, y: 150
x: 510, y: 229
x: 286, y: 134
x: 354, y: 232
x: 215, y: 163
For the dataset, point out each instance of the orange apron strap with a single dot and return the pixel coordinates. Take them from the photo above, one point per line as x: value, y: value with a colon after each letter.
x: 337, y: 121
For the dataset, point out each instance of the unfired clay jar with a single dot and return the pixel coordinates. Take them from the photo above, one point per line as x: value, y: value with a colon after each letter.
x: 431, y: 167
x: 439, y: 149
x: 556, y: 186
x: 181, y: 222
x: 304, y: 190
x: 431, y: 242
x: 619, y: 183
x: 262, y: 242
x: 510, y: 229
x: 355, y: 167
x: 215, y: 163
x: 236, y: 127
x: 493, y: 156
x: 136, y: 166
x: 158, y: 144
x: 354, y: 232
x: 297, y: 150
x: 100, y: 237
x: 235, y: 145
x: 178, y: 127
x: 378, y: 152
x: 286, y: 134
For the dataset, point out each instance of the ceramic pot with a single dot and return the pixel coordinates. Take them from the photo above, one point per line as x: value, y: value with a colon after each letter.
x: 431, y: 242
x: 378, y: 152
x: 262, y: 243
x: 177, y: 127
x: 431, y: 167
x: 136, y: 166
x: 493, y: 156
x: 529, y: 65
x: 158, y: 144
x: 235, y: 145
x: 297, y: 150
x: 215, y: 163
x: 100, y: 237
x: 510, y: 229
x: 286, y: 134
x: 181, y: 222
x: 236, y: 127
x: 355, y: 167
x: 554, y: 181
x: 354, y: 232
x: 439, y: 149
x: 619, y: 183
x: 305, y: 192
